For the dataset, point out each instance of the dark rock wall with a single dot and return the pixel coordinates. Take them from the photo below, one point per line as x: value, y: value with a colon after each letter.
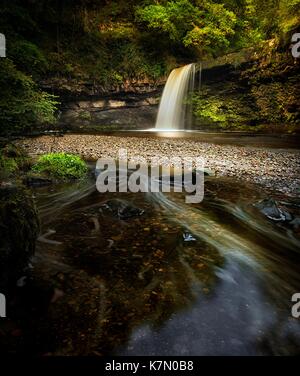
x: 259, y: 95
x: 121, y: 111
x: 19, y: 228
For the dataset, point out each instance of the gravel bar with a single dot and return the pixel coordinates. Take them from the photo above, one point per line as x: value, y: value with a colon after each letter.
x: 275, y: 169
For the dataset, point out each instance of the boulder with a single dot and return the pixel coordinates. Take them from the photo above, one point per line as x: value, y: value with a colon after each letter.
x: 19, y: 228
x: 121, y: 209
x: 35, y: 180
x: 269, y: 207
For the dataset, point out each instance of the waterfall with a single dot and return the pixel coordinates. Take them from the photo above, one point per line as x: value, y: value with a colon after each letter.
x: 171, y: 113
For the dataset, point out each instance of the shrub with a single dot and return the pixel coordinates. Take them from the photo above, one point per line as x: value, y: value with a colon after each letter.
x: 61, y: 166
x: 22, y: 104
x: 28, y: 57
x: 12, y: 160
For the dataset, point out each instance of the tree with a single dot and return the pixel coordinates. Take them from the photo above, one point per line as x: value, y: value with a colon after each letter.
x: 22, y: 104
x: 203, y: 25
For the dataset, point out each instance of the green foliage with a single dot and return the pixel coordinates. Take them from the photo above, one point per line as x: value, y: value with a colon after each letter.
x: 276, y: 102
x: 288, y: 20
x: 262, y: 20
x: 225, y: 112
x: 174, y: 17
x: 22, y: 105
x: 28, y: 57
x: 63, y: 64
x: 12, y: 160
x: 205, y: 26
x: 8, y: 167
x: 61, y: 166
x: 113, y: 43
x: 124, y: 60
x: 259, y: 101
x: 85, y: 115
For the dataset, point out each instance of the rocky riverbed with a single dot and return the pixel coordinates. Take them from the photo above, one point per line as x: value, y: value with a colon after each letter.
x: 274, y: 169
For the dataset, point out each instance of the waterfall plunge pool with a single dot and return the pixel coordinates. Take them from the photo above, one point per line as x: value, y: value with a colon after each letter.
x: 137, y: 285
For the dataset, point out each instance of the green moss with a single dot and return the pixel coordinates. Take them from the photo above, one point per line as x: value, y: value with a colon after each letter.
x: 19, y: 228
x: 12, y: 160
x: 222, y: 111
x: 8, y: 166
x: 28, y: 57
x: 22, y: 104
x: 61, y: 166
x: 85, y: 115
x: 276, y: 101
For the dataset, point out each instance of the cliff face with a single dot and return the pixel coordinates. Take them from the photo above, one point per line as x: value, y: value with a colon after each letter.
x: 261, y: 94
x: 69, y: 89
x: 238, y: 92
x: 90, y: 50
x: 119, y: 110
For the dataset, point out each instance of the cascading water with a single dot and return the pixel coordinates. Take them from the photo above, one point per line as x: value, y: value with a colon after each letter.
x: 172, y: 110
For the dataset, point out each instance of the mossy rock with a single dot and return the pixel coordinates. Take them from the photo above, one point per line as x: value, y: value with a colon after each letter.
x: 12, y: 160
x: 19, y: 229
x: 32, y: 179
x: 60, y: 166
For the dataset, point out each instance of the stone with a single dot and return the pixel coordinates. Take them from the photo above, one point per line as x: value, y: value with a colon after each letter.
x: 19, y: 227
x: 269, y: 207
x: 33, y: 180
x: 121, y: 209
x: 295, y: 223
x: 188, y: 237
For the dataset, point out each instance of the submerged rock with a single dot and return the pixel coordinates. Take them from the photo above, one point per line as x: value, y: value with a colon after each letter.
x: 269, y: 207
x: 121, y: 209
x: 33, y: 180
x: 18, y: 232
x: 295, y: 223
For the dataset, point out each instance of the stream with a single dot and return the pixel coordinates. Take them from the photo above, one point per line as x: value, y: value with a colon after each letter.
x: 162, y: 277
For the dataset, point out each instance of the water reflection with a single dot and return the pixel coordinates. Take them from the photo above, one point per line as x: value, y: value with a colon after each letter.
x: 237, y: 318
x: 134, y: 286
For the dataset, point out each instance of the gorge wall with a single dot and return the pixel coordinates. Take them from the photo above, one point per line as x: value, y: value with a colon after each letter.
x: 238, y: 92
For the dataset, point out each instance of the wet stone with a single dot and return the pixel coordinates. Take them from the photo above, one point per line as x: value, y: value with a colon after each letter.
x: 121, y: 209
x: 188, y: 237
x: 269, y: 207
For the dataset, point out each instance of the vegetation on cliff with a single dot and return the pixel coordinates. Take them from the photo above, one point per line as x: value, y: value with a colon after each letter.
x: 12, y: 161
x: 114, y: 43
x: 261, y: 96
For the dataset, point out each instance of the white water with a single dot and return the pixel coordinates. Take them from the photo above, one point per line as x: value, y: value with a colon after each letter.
x: 171, y: 113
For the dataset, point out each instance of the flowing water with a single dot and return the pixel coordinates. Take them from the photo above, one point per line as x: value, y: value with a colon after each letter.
x: 134, y: 285
x: 172, y: 110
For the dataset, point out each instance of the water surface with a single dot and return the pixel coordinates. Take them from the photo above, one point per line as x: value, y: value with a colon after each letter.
x: 135, y: 287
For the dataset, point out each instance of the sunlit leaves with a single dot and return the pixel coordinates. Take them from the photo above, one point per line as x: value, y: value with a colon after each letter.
x: 22, y: 104
x: 194, y: 26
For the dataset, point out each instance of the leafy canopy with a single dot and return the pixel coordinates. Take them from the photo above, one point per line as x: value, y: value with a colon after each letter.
x: 22, y: 104
x: 201, y: 24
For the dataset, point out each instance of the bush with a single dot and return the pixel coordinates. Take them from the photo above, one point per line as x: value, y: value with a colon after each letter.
x: 22, y: 104
x: 29, y: 58
x: 61, y: 166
